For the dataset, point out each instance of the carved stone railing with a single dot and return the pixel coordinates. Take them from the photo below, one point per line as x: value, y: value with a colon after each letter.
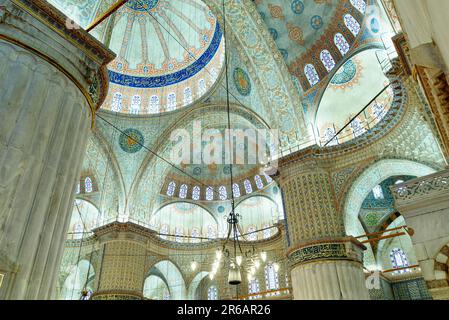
x: 429, y: 186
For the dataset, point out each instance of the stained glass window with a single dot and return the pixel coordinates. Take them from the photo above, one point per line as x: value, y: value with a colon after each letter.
x: 327, y: 60
x: 311, y: 74
x: 188, y: 96
x: 329, y: 134
x: 163, y: 231
x: 341, y: 43
x: 171, y: 101
x: 271, y: 277
x: 252, y: 235
x: 266, y: 231
x: 166, y: 295
x: 196, y: 193
x: 378, y: 193
x: 135, y: 104
x: 202, y: 86
x: 178, y: 235
x: 352, y: 24
x: 399, y: 181
x: 357, y: 127
x: 117, y: 100
x: 212, y: 293
x: 183, y: 191
x: 248, y: 187
x: 236, y: 190
x: 360, y: 5
x: 378, y: 111
x: 78, y: 188
x: 154, y: 104
x: 195, y: 235
x: 399, y: 260
x: 171, y: 189
x: 211, y: 232
x: 209, y: 193
x: 213, y: 74
x: 268, y: 178
x: 88, y: 185
x: 78, y: 231
x: 222, y: 193
x: 259, y: 182
x: 253, y: 288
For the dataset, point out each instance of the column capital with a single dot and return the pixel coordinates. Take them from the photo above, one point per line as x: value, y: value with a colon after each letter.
x: 347, y: 248
x: 38, y: 27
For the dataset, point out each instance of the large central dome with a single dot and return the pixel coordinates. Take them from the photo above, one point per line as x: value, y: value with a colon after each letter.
x: 169, y: 52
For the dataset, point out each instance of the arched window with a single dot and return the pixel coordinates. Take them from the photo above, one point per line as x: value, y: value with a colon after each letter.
x: 188, y: 96
x: 341, y: 43
x: 78, y: 188
x: 327, y: 60
x: 399, y: 181
x: 117, y: 100
x: 202, y: 86
x: 378, y: 111
x: 211, y: 232
x: 171, y: 189
x: 171, y: 101
x: 222, y: 193
x: 399, y: 260
x: 78, y: 231
x: 163, y: 231
x: 360, y: 5
x: 271, y: 277
x: 183, y: 191
x: 378, y: 193
x: 352, y: 24
x: 252, y: 235
x: 209, y: 193
x: 196, y: 193
x: 154, y: 104
x: 195, y: 235
x: 166, y: 295
x: 258, y: 181
x: 253, y: 288
x: 135, y: 104
x: 212, y: 293
x: 88, y: 185
x: 178, y: 234
x: 311, y: 74
x: 248, y: 187
x: 329, y: 134
x: 266, y: 231
x: 268, y: 178
x: 236, y: 190
x: 357, y: 127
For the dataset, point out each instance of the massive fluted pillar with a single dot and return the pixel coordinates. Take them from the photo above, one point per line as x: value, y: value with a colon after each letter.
x: 52, y: 80
x: 325, y: 264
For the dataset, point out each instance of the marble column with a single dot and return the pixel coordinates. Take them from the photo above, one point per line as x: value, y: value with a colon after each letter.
x: 424, y: 204
x: 52, y: 80
x: 122, y: 271
x: 324, y: 263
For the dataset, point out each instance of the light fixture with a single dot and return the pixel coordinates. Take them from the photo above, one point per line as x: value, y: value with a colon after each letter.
x: 239, y: 260
x: 235, y: 277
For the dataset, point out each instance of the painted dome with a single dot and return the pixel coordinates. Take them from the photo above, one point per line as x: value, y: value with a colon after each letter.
x: 169, y: 52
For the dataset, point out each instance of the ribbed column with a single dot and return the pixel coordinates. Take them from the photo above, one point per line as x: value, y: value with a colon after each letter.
x: 122, y: 271
x: 45, y: 118
x: 325, y: 265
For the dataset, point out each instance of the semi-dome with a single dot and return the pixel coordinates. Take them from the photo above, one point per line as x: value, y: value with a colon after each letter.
x: 169, y: 53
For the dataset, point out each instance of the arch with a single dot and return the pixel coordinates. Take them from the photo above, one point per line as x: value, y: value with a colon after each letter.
x: 155, y: 287
x: 195, y: 283
x: 183, y: 217
x: 173, y: 277
x: 362, y: 186
x: 80, y: 276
